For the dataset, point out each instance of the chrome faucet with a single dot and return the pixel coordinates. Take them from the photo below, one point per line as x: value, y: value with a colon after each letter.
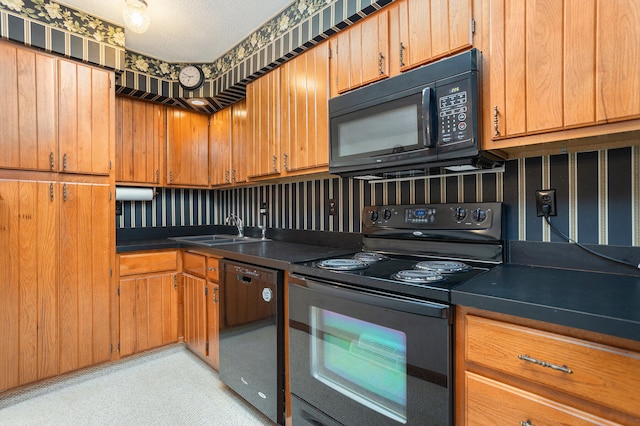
x: 235, y: 220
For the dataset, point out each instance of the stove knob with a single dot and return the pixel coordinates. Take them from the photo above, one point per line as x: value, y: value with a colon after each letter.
x: 386, y: 214
x: 459, y: 213
x: 373, y: 215
x: 479, y: 215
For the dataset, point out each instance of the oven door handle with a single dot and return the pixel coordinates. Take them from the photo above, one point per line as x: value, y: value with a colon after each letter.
x: 371, y: 297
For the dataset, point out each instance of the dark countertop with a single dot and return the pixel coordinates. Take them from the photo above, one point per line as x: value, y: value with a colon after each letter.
x: 272, y: 254
x: 279, y: 252
x: 599, y: 302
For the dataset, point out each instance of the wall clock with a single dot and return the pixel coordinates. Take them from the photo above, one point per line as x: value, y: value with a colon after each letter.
x: 191, y: 77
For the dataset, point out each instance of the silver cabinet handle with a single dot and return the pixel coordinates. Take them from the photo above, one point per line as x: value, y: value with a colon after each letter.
x: 402, y: 54
x: 546, y: 364
x: 496, y: 130
x: 211, y: 269
x: 380, y: 61
x: 525, y: 423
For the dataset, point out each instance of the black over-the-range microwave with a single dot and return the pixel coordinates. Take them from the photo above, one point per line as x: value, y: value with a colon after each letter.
x: 417, y: 121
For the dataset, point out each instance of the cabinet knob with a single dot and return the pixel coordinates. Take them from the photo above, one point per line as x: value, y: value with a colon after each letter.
x: 211, y: 269
x: 525, y: 423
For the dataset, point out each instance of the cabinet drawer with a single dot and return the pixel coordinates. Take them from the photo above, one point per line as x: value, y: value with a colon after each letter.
x: 144, y: 263
x: 594, y: 372
x: 212, y: 269
x: 490, y: 402
x: 194, y: 263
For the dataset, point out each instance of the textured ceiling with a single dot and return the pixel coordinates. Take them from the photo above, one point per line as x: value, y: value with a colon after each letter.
x: 198, y: 31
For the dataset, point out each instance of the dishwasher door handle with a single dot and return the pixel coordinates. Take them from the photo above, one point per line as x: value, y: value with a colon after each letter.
x: 244, y: 279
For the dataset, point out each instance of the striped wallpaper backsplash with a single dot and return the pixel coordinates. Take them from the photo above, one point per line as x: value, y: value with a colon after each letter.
x: 598, y: 199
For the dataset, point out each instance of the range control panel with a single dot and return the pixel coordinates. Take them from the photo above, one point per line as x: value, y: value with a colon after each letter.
x: 429, y: 219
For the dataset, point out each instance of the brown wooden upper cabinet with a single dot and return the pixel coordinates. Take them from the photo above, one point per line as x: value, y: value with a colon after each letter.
x: 263, y: 119
x: 304, y: 93
x: 84, y: 123
x: 187, y: 148
x: 555, y: 66
x: 228, y: 152
x: 56, y: 113
x: 422, y: 31
x: 360, y: 54
x: 140, y: 141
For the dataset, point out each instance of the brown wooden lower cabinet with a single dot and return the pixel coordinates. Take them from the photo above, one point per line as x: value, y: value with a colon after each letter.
x: 56, y: 255
x: 201, y: 304
x: 148, y: 312
x: 150, y: 297
x: 511, y: 370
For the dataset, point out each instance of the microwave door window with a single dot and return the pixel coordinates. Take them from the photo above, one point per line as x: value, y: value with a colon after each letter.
x: 381, y: 130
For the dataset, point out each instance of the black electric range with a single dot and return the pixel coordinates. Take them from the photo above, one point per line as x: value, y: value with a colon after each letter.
x: 420, y: 251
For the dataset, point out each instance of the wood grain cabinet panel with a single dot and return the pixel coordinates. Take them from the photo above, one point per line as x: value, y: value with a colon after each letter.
x: 28, y: 281
x: 361, y: 53
x: 556, y: 70
x: 220, y: 147
x: 228, y: 145
x: 492, y: 402
x: 195, y: 314
x: 57, y: 269
x: 187, y: 148
x: 148, y: 312
x: 85, y: 269
x: 511, y: 370
x: 140, y: 141
x: 84, y: 118
x: 304, y: 131
x: 28, y: 82
x: 263, y: 119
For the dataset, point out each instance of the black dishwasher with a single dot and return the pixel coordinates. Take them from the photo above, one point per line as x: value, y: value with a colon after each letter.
x: 252, y: 335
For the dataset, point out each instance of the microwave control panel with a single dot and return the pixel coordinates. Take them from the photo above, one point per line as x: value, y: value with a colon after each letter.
x: 455, y: 112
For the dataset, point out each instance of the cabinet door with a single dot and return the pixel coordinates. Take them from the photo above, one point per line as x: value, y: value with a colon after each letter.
x: 85, y: 263
x: 195, y: 314
x: 361, y: 53
x: 220, y: 142
x: 187, y: 148
x: 84, y: 111
x: 304, y: 114
x: 263, y: 109
x: 148, y: 312
x: 561, y: 65
x: 492, y: 402
x: 422, y: 31
x: 28, y: 282
x: 140, y: 139
x: 213, y: 295
x: 28, y: 120
x: 240, y: 150
x: 617, y: 59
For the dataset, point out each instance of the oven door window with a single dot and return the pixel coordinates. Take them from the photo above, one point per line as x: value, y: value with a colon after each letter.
x: 364, y: 361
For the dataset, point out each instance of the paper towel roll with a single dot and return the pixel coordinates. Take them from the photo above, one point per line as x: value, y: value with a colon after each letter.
x: 134, y: 194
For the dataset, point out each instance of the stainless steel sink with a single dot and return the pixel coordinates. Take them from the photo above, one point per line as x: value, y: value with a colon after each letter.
x: 216, y: 239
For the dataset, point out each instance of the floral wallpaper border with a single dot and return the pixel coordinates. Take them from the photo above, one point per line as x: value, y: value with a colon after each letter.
x: 68, y: 19
x: 295, y: 14
x: 298, y: 27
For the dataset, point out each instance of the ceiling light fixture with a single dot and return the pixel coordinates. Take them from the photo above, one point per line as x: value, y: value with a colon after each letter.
x: 196, y: 102
x: 135, y: 16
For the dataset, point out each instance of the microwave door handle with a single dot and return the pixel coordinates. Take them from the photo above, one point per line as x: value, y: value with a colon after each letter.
x: 427, y: 117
